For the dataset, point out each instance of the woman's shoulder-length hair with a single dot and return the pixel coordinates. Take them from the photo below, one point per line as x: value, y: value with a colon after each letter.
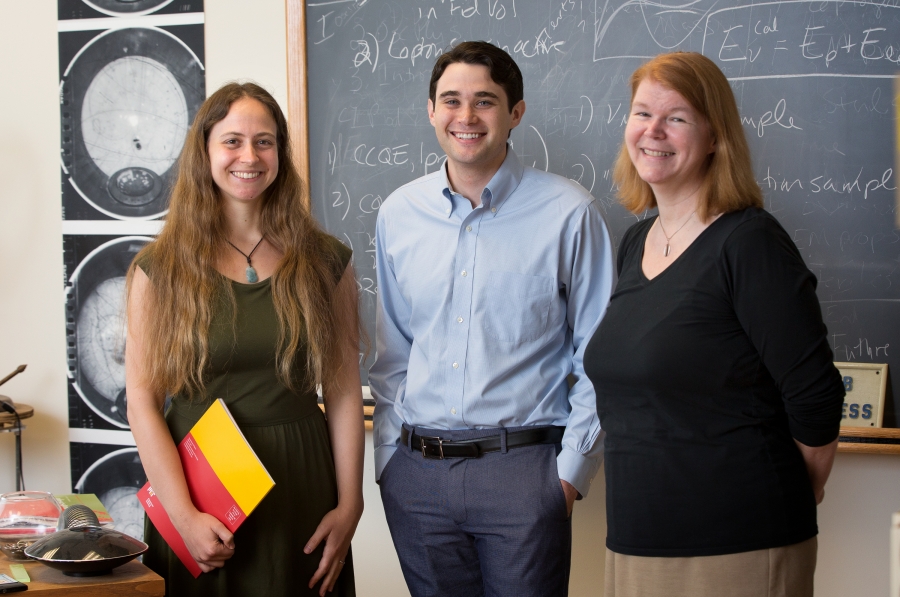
x: 730, y: 184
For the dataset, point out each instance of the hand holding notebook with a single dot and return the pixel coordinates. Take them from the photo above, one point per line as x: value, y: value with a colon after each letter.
x: 225, y: 478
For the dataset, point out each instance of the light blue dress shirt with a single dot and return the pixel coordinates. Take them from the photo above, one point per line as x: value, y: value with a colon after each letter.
x: 484, y: 313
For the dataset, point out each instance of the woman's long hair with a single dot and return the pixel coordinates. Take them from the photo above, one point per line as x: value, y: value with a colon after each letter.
x: 729, y: 183
x: 185, y: 286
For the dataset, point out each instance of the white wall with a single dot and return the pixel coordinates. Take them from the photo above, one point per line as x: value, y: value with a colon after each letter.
x: 246, y: 39
x: 854, y: 526
x: 32, y: 325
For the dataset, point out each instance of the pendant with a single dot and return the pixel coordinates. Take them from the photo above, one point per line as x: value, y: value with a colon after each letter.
x: 666, y: 255
x: 251, y: 275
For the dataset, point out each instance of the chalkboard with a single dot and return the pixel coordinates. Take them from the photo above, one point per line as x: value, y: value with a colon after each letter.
x: 813, y: 81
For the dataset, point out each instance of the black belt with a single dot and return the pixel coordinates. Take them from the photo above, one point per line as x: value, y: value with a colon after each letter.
x: 435, y: 447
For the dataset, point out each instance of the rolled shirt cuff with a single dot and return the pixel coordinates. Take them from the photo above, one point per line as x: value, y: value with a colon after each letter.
x: 579, y: 470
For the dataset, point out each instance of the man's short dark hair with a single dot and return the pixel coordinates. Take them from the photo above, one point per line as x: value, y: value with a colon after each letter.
x: 504, y: 70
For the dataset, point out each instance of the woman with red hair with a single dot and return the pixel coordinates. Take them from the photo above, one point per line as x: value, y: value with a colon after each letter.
x: 715, y: 382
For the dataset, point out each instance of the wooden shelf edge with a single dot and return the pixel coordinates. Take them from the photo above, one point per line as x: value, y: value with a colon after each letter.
x: 868, y: 448
x: 880, y: 432
x: 890, y: 445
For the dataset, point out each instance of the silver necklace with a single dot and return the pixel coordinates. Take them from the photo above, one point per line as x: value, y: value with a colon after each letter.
x: 250, y: 272
x: 663, y: 228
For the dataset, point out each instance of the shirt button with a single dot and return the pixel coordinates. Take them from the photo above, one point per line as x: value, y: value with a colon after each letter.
x: 464, y: 274
x: 453, y: 411
x: 459, y: 320
x: 456, y: 365
x: 446, y: 211
x: 468, y: 229
x: 493, y: 210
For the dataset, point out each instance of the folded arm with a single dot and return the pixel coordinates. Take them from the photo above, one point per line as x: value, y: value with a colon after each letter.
x: 767, y: 270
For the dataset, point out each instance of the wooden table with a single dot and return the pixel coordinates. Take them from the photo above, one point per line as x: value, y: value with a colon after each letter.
x: 129, y: 580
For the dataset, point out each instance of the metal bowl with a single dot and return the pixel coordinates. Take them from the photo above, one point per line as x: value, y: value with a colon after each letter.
x: 83, y: 547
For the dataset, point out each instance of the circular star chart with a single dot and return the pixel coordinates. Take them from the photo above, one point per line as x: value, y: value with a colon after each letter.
x: 95, y: 304
x: 117, y: 8
x: 128, y: 98
x: 115, y: 479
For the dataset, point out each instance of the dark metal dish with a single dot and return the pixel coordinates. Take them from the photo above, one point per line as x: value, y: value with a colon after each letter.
x: 83, y: 547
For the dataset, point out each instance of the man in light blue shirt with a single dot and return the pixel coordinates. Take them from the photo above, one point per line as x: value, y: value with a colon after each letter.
x: 492, y: 277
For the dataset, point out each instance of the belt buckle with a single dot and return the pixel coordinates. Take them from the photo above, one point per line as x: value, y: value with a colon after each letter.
x: 440, y: 445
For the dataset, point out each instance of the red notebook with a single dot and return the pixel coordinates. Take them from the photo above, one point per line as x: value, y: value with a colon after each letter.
x: 224, y: 476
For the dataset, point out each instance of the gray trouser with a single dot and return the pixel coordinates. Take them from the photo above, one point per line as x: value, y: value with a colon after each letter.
x: 491, y: 526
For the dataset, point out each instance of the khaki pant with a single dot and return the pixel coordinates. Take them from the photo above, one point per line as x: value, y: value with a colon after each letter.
x: 778, y: 572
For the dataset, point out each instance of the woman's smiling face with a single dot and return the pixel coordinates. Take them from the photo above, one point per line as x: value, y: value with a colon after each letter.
x: 669, y: 142
x: 243, y: 151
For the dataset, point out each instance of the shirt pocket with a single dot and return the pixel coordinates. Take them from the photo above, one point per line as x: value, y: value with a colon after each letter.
x: 518, y: 306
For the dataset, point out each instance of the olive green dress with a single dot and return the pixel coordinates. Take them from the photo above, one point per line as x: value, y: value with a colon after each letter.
x: 289, y: 435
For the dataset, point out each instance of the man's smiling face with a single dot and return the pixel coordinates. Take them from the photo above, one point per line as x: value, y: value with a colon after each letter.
x: 471, y: 117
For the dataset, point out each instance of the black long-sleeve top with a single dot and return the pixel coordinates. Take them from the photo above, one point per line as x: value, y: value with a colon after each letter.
x: 705, y: 375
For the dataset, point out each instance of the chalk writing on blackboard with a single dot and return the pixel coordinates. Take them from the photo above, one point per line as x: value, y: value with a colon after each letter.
x: 813, y: 82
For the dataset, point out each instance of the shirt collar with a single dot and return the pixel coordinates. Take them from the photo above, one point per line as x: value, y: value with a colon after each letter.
x: 501, y: 185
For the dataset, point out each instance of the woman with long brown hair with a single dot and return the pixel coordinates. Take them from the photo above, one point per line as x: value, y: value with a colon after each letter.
x: 715, y: 382
x: 242, y: 297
